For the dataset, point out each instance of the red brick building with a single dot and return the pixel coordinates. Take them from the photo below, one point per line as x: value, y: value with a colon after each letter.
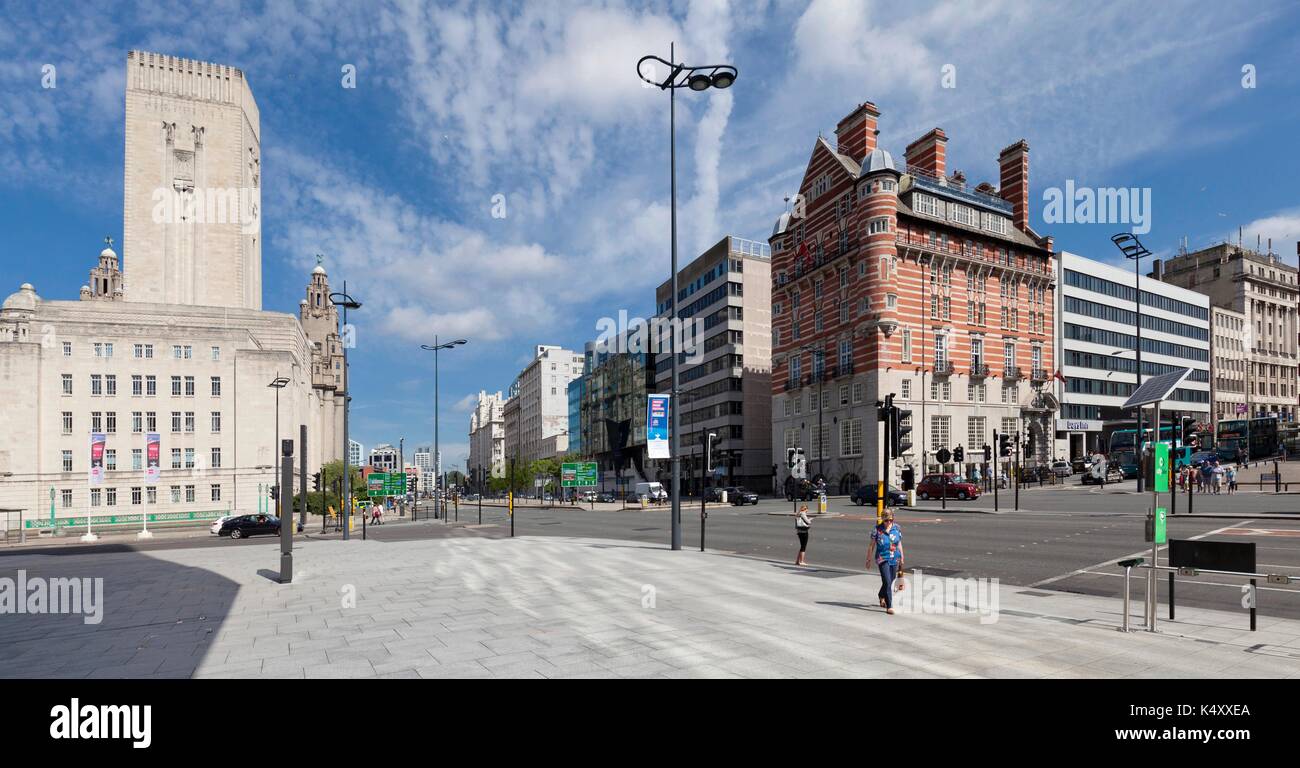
x: 902, y: 278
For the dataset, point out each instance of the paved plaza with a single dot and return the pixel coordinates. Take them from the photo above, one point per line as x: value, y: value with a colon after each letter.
x: 473, y: 606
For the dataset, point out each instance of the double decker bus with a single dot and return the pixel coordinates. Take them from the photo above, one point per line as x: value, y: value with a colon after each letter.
x: 1120, y: 450
x: 1262, y: 434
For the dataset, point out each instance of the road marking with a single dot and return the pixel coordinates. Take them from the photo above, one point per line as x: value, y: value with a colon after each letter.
x: 1264, y: 532
x: 1115, y: 561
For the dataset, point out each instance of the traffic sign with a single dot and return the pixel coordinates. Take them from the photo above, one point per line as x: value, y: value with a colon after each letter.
x: 943, y: 455
x: 577, y: 474
x: 1162, y: 467
x: 380, y: 484
x: 1161, y: 531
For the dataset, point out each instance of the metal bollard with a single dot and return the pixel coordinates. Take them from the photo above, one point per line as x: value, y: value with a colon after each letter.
x: 1127, y: 599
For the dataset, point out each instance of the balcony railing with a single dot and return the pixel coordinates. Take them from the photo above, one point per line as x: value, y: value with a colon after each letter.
x: 979, y: 370
x: 943, y: 368
x: 1039, y: 375
x: 925, y: 179
x: 1011, y: 373
x: 982, y: 253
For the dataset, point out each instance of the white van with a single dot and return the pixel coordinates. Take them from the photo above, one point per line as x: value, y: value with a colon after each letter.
x: 651, y: 491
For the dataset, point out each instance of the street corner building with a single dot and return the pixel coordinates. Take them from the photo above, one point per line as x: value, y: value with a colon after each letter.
x: 174, y: 341
x: 901, y: 278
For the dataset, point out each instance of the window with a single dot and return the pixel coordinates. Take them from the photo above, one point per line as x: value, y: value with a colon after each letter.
x: 96, y: 421
x: 216, y: 421
x: 821, y: 441
x: 67, y: 422
x: 189, y: 458
x: 150, y: 385
x: 176, y: 494
x: 176, y: 386
x: 907, y: 345
x: 96, y: 384
x: 216, y: 386
x: 924, y: 204
x: 216, y: 354
x: 137, y: 422
x: 176, y: 421
x: 975, y: 432
x: 67, y: 461
x: 137, y: 385
x: 96, y: 497
x: 189, y: 494
x: 66, y: 498
x: 940, y: 350
x: 1008, y: 355
x: 857, y: 393
x: 110, y: 460
x: 176, y: 458
x: 136, y: 496
x: 940, y: 432
x: 189, y: 386
x: 878, y: 225
x: 110, y: 385
x: 67, y: 349
x: 216, y: 458
x: 851, y: 437
x: 216, y: 492
x: 151, y: 421
x: 905, y: 389
x: 844, y: 394
x: 137, y: 459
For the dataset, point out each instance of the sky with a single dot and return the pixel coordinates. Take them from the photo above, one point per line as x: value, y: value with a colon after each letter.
x: 500, y: 174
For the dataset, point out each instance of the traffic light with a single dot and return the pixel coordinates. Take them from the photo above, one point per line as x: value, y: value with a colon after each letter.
x: 275, y: 493
x: 415, y: 483
x: 902, y: 431
x: 1004, y: 446
x: 1029, y: 444
x: 909, y: 478
x: 959, y: 454
x: 315, y: 482
x: 988, y: 452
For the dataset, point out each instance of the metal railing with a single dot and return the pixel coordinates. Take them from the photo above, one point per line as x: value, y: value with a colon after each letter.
x: 1147, y: 618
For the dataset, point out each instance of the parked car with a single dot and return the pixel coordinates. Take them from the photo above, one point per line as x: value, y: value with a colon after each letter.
x: 799, y: 490
x: 866, y: 495
x: 739, y: 496
x: 606, y: 497
x: 1062, y: 469
x: 713, y: 495
x: 932, y: 487
x: 249, y: 525
x: 653, y: 491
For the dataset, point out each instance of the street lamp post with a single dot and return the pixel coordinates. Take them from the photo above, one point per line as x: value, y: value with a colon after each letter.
x: 697, y: 79
x: 345, y: 501
x: 278, y: 383
x: 437, y: 453
x: 1132, y: 248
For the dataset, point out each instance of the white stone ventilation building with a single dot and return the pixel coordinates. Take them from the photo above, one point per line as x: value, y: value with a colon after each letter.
x: 176, y: 344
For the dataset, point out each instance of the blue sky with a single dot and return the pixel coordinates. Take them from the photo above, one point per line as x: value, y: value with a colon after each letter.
x: 455, y: 103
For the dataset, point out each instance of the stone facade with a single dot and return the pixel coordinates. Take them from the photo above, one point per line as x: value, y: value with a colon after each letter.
x: 487, y: 435
x: 192, y: 219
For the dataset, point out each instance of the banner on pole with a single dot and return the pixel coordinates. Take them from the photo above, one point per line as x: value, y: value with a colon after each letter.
x: 97, y: 458
x: 153, y: 458
x: 656, y: 426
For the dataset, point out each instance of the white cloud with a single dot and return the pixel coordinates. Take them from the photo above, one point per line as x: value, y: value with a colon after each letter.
x: 1282, y: 227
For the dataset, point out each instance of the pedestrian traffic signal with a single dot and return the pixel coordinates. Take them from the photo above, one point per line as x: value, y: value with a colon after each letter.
x: 959, y: 454
x: 1004, y: 446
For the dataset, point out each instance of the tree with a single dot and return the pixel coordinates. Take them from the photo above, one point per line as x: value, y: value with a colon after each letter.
x: 332, y: 473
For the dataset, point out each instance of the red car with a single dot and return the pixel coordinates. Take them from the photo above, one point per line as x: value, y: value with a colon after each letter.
x: 932, y: 487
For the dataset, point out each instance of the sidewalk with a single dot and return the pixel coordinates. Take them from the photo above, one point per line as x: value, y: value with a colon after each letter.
x: 553, y: 607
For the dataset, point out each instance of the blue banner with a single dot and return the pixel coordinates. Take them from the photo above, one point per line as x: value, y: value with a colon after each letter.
x: 656, y: 427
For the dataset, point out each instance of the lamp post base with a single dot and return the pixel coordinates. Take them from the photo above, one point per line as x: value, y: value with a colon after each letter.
x: 144, y: 535
x: 90, y: 538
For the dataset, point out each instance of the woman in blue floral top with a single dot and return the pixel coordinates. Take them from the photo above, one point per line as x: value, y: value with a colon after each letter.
x: 887, y: 552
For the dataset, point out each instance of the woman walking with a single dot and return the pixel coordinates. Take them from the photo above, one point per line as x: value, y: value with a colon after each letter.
x: 887, y: 552
x: 802, y: 524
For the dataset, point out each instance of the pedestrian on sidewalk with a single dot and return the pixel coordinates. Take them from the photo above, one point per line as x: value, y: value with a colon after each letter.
x: 887, y: 552
x: 1232, y: 480
x: 1218, y: 478
x: 802, y: 525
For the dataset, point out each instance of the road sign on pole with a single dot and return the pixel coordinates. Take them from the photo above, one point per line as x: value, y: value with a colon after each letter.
x: 577, y: 474
x: 383, y: 484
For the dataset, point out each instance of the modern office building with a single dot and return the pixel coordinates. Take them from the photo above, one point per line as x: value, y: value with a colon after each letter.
x: 901, y: 278
x: 576, y: 388
x: 487, y: 435
x: 355, y: 453
x: 612, y: 418
x: 174, y: 341
x: 1098, y: 351
x: 424, y: 467
x: 724, y: 300
x: 384, y: 458
x: 1264, y: 289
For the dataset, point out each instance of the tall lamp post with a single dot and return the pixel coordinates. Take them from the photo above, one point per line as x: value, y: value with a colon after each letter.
x: 278, y: 383
x: 1132, y: 248
x: 697, y: 79
x: 342, y: 299
x: 437, y: 453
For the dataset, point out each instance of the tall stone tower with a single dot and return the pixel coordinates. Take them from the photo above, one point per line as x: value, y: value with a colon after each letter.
x: 320, y: 321
x: 192, y: 214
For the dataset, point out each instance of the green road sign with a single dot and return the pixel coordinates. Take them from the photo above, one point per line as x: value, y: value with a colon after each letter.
x: 1161, y: 535
x: 1162, y: 467
x: 576, y: 474
x: 386, y: 484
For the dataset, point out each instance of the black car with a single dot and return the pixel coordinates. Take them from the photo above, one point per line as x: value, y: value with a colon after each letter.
x: 250, y: 525
x: 713, y: 495
x: 739, y: 496
x: 866, y: 494
x: 606, y: 497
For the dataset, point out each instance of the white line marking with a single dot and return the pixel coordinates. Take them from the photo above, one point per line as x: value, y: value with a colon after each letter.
x: 1114, y: 561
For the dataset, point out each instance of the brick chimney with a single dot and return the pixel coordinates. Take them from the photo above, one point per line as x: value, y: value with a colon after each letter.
x: 855, y: 136
x: 929, y: 153
x: 1014, y: 165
